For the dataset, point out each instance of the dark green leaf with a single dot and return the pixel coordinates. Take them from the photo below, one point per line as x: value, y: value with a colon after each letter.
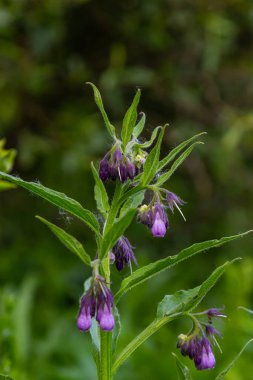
x: 182, y: 370
x: 58, y: 199
x: 164, y: 177
x: 186, y: 300
x: 99, y: 103
x: 166, y: 160
x: 100, y: 193
x: 223, y: 373
x: 69, y: 241
x: 115, y: 232
x: 152, y: 269
x: 152, y: 161
x: 130, y: 119
x: 139, y: 126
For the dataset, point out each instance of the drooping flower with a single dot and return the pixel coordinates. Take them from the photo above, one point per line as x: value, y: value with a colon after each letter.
x: 124, y: 254
x: 97, y: 301
x: 160, y: 221
x: 145, y: 215
x: 155, y: 217
x: 104, y: 169
x: 116, y: 165
x: 197, y: 349
x: 173, y: 200
x: 204, y: 357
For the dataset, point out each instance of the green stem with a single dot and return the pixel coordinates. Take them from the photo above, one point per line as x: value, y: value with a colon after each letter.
x: 139, y: 339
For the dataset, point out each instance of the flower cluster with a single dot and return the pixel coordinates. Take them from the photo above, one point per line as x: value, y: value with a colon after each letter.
x: 197, y: 345
x: 123, y: 253
x: 96, y: 302
x: 116, y: 165
x: 154, y: 215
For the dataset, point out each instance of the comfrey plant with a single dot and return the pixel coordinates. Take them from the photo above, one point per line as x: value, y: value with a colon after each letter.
x: 139, y: 176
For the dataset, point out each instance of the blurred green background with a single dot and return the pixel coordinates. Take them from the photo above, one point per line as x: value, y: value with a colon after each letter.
x: 194, y: 64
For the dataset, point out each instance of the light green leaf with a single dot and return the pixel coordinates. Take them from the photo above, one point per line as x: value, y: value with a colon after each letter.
x: 143, y: 274
x: 130, y: 119
x: 177, y: 302
x: 7, y: 157
x: 99, y: 103
x: 6, y: 185
x: 186, y: 300
x: 100, y: 193
x: 148, y: 143
x: 182, y: 370
x: 166, y: 160
x: 164, y: 177
x: 69, y: 241
x: 58, y: 199
x: 115, y: 232
x: 132, y: 202
x: 139, y: 126
x: 223, y: 373
x: 152, y: 161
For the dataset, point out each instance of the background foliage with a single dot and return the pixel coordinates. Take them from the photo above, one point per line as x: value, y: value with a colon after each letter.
x: 194, y: 65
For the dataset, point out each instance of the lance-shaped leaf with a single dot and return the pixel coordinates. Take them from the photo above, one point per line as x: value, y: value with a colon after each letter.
x: 100, y: 193
x: 152, y: 161
x: 223, y: 373
x: 99, y: 103
x: 139, y: 126
x: 115, y: 232
x: 152, y: 269
x: 132, y: 202
x: 165, y: 176
x: 148, y: 143
x: 130, y: 119
x: 68, y: 240
x: 178, y: 149
x: 58, y: 199
x: 184, y: 301
x: 182, y: 370
x: 172, y: 307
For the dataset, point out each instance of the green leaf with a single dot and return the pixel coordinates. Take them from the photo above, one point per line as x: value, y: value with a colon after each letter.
x: 166, y: 160
x: 115, y: 232
x: 100, y: 193
x: 7, y: 157
x: 5, y: 377
x: 164, y: 177
x: 130, y: 119
x: 223, y: 373
x: 184, y: 301
x: 152, y: 161
x: 139, y: 126
x: 177, y: 302
x: 152, y: 269
x: 116, y: 330
x: 148, y: 143
x: 99, y: 103
x: 132, y: 202
x: 182, y: 370
x: 170, y: 308
x: 69, y: 241
x: 6, y: 185
x: 58, y: 199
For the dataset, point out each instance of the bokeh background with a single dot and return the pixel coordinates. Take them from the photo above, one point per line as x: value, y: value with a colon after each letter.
x: 194, y: 64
